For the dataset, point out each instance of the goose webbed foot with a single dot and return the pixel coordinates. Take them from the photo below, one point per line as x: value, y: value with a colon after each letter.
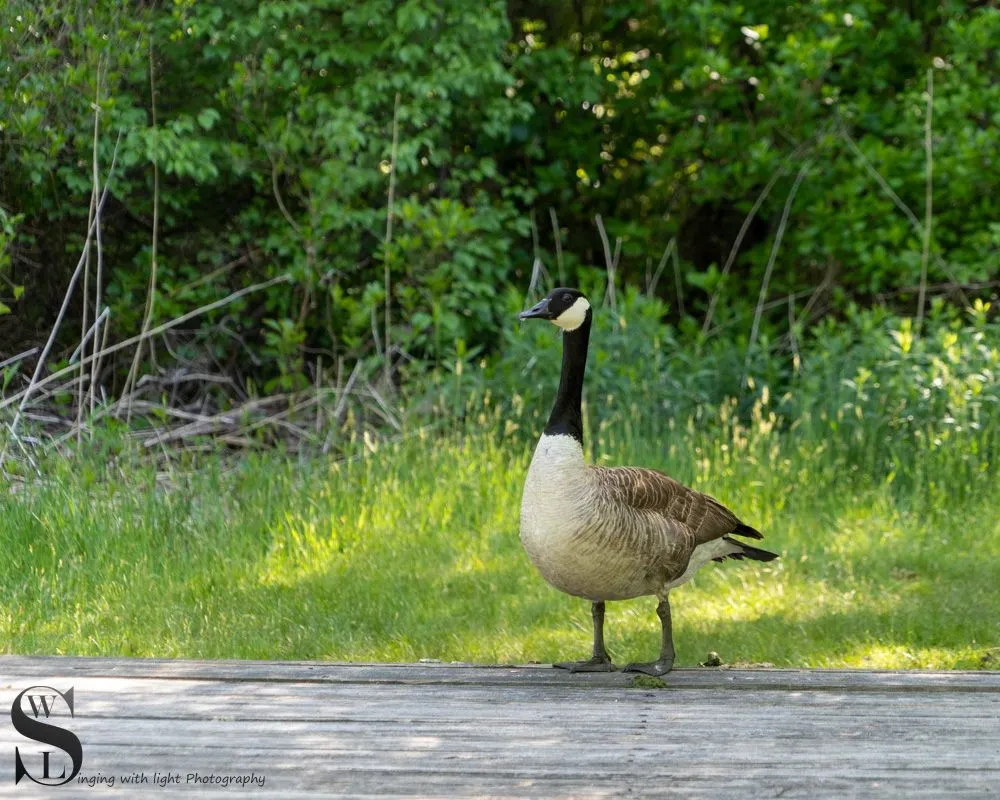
x: 655, y: 668
x: 595, y: 664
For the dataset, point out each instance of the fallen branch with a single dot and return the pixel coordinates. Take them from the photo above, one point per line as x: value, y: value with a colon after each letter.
x: 18, y: 357
x: 22, y: 396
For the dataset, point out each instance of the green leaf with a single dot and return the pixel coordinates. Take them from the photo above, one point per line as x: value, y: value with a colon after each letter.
x: 207, y: 118
x: 18, y: 292
x: 4, y: 309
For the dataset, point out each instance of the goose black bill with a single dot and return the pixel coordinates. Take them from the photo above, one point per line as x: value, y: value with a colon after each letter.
x: 538, y: 311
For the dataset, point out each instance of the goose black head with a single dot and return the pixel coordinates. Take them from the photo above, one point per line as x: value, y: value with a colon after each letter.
x: 567, y: 308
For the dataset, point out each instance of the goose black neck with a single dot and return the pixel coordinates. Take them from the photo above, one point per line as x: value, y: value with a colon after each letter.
x: 566, y: 417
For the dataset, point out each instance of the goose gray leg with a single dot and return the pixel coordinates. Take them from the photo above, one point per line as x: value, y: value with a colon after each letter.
x: 665, y: 663
x: 600, y: 661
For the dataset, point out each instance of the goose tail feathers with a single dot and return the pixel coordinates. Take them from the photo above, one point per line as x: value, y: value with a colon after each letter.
x: 747, y: 531
x: 741, y: 550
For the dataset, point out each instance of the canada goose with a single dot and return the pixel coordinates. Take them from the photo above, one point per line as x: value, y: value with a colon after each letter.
x: 613, y: 533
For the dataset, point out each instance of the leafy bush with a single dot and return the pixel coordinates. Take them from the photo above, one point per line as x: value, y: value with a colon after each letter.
x: 273, y: 138
x: 671, y: 119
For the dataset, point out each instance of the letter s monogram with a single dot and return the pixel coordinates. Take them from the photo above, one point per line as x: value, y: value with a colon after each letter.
x: 46, y: 734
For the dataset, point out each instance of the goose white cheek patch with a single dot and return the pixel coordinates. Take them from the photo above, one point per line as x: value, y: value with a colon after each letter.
x: 573, y: 317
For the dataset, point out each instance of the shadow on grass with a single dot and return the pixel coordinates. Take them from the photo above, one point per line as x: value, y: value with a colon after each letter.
x: 494, y: 608
x: 909, y: 631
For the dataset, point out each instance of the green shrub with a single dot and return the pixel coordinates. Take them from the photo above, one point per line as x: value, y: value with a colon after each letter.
x: 273, y: 139
x: 671, y: 118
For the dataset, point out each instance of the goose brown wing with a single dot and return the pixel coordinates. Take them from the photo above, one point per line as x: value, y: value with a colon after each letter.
x: 650, y: 490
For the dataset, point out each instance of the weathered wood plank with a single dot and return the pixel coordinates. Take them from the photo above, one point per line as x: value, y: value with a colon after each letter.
x: 460, y: 730
x: 480, y: 674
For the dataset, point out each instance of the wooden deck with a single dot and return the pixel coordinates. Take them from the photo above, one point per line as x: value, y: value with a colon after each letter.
x: 377, y: 730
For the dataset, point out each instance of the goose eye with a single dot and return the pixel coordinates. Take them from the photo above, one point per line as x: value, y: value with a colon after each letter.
x: 567, y: 297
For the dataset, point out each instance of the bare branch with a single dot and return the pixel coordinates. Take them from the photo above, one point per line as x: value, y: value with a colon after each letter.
x: 610, y: 261
x: 37, y: 384
x: 928, y: 198
x: 388, y: 244
x: 770, y: 262
x: 151, y: 293
x: 18, y: 357
x: 40, y: 365
x: 651, y: 286
x: 746, y: 226
x: 557, y: 236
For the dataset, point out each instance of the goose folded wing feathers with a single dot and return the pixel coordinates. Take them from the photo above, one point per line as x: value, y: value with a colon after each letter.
x: 650, y: 490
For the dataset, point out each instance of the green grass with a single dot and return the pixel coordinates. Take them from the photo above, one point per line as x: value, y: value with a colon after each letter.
x: 412, y: 552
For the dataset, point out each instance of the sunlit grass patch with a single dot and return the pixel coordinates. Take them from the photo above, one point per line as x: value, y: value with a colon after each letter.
x: 411, y: 550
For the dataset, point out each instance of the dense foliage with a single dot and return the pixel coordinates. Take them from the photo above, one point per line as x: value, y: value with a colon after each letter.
x: 272, y: 141
x: 402, y: 177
